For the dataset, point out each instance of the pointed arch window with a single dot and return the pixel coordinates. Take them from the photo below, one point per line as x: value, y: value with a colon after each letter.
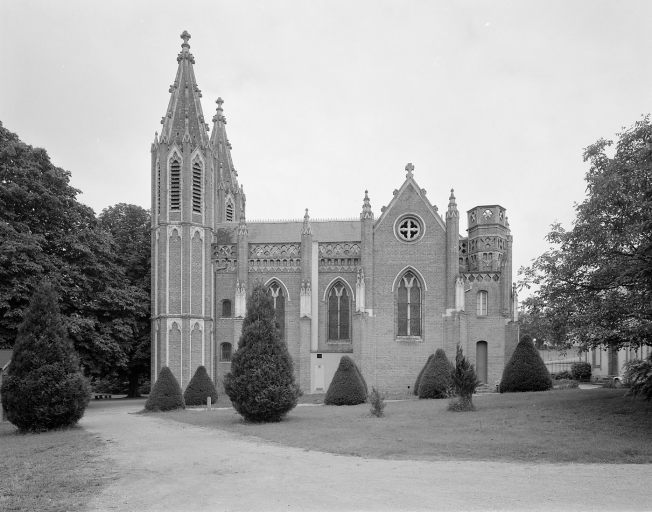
x: 175, y: 184
x: 339, y: 313
x: 196, y: 186
x: 409, y: 306
x: 481, y: 303
x: 227, y: 311
x: 276, y: 291
x: 225, y: 351
x: 228, y: 213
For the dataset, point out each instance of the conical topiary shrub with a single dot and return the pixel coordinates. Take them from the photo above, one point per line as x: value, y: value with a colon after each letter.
x: 44, y: 388
x: 261, y: 382
x: 166, y: 393
x: 415, y: 391
x: 525, y: 371
x: 465, y: 382
x: 348, y: 386
x: 436, y: 378
x: 200, y: 388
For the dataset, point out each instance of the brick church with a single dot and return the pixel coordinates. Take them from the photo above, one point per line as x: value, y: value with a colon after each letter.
x: 387, y: 290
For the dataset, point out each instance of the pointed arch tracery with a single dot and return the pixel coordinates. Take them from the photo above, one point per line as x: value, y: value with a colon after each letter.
x: 278, y: 292
x: 409, y: 298
x: 340, y: 299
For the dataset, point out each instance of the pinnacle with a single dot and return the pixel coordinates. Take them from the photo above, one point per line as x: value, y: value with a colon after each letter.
x: 185, y: 36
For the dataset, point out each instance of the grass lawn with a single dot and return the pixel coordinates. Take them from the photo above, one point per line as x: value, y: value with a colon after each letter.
x: 52, y: 471
x: 572, y: 425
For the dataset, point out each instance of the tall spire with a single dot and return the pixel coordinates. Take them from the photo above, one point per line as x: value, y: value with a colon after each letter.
x: 184, y: 117
x: 222, y: 150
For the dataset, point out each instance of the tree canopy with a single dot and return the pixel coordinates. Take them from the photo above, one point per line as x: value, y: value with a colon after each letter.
x: 99, y: 267
x: 593, y: 287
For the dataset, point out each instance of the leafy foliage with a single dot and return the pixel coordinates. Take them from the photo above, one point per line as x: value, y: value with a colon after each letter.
x: 638, y: 374
x: 436, y: 379
x: 261, y: 382
x: 525, y: 371
x: 348, y: 386
x: 47, y: 233
x: 377, y: 402
x: 465, y: 382
x: 581, y: 371
x: 415, y: 391
x: 44, y: 388
x: 594, y: 285
x: 166, y: 393
x: 200, y: 388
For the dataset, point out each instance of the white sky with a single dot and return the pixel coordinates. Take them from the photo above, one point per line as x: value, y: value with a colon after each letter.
x: 325, y: 99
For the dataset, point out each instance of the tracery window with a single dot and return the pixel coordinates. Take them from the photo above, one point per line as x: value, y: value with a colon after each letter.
x: 409, y: 306
x: 339, y: 313
x: 409, y: 229
x: 276, y: 291
x: 481, y: 303
x: 175, y: 184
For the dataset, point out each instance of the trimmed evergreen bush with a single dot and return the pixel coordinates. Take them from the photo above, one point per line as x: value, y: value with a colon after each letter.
x: 465, y: 382
x: 436, y: 379
x: 415, y: 391
x: 261, y: 382
x: 581, y: 371
x: 166, y: 393
x: 44, y: 388
x: 525, y: 371
x: 638, y: 375
x: 200, y: 388
x: 347, y: 387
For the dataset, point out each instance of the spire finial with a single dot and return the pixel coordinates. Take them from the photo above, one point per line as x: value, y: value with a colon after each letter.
x: 219, y: 102
x: 366, y: 207
x: 185, y: 36
x: 452, y: 206
x: 409, y: 168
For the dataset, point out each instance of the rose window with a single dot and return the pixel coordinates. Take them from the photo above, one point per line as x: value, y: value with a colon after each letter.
x: 409, y: 229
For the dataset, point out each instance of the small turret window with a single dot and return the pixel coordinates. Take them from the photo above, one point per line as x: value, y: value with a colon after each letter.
x: 175, y: 185
x: 225, y: 351
x: 229, y: 211
x: 196, y: 186
x: 482, y: 299
x: 158, y: 187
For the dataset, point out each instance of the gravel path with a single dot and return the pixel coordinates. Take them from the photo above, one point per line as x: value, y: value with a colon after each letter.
x: 160, y: 465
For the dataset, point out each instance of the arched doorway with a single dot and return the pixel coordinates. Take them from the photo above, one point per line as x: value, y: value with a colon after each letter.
x: 481, y: 361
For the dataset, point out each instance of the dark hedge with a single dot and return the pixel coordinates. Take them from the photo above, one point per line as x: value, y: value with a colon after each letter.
x: 525, y: 371
x: 436, y: 379
x: 200, y: 388
x: 261, y: 383
x: 166, y: 393
x: 347, y: 387
x: 44, y: 388
x: 415, y: 391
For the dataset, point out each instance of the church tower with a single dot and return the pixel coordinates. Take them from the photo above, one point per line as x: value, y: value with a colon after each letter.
x: 183, y: 218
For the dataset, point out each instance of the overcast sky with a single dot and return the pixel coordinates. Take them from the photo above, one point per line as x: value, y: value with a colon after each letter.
x: 325, y: 99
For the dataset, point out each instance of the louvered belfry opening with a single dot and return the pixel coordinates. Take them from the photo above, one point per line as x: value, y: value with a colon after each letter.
x: 175, y: 185
x: 196, y: 187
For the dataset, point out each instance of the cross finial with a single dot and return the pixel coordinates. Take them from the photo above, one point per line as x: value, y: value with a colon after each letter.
x: 409, y: 168
x: 185, y: 36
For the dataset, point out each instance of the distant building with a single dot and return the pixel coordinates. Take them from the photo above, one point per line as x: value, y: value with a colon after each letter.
x: 388, y: 291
